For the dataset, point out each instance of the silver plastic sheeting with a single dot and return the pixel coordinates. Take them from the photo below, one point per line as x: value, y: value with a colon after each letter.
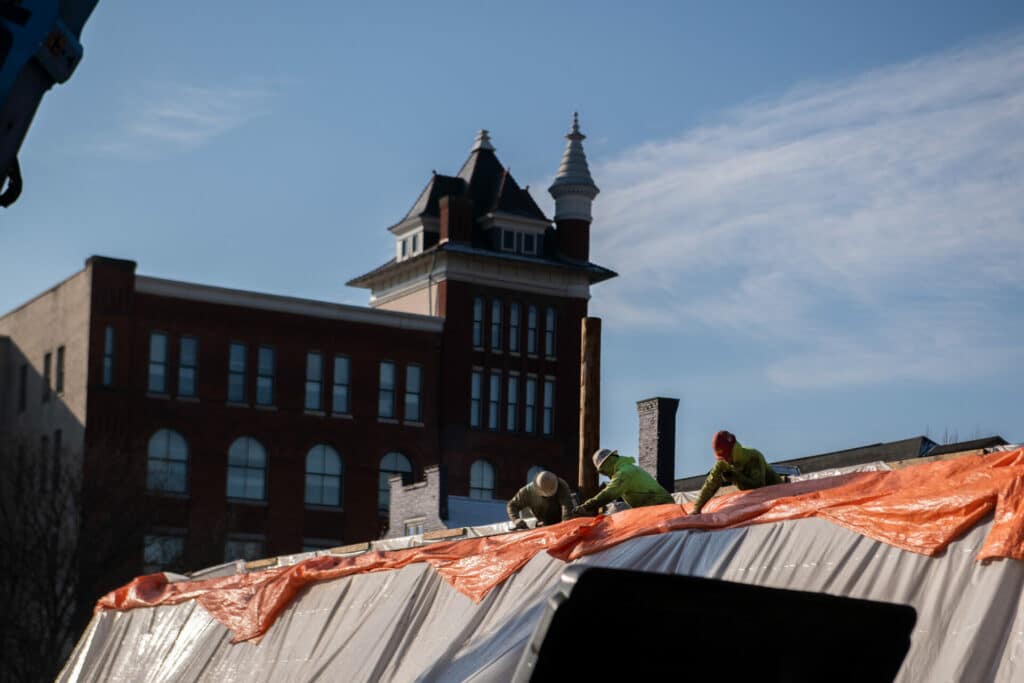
x: 410, y: 625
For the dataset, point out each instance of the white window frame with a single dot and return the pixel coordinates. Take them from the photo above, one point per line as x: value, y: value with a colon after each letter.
x: 476, y: 403
x: 530, y: 405
x: 473, y: 488
x: 550, y: 332
x: 163, y: 362
x: 261, y: 375
x: 504, y: 232
x: 314, y: 378
x: 164, y: 457
x: 512, y: 402
x: 246, y: 468
x: 257, y: 543
x: 243, y: 373
x: 346, y: 362
x: 515, y: 310
x: 418, y: 394
x: 496, y: 326
x: 163, y: 537
x: 547, y: 422
x: 194, y: 366
x: 324, y: 475
x: 108, y: 355
x: 532, y: 331
x: 494, y: 401
x: 413, y: 527
x: 390, y: 391
x: 478, y: 323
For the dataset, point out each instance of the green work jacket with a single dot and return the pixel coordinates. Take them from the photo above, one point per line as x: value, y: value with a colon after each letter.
x: 748, y: 470
x: 632, y: 484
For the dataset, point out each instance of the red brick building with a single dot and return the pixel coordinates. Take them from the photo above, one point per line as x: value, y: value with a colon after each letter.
x: 269, y: 424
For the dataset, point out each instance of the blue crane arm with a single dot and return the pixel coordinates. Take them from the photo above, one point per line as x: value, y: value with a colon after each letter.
x: 39, y: 46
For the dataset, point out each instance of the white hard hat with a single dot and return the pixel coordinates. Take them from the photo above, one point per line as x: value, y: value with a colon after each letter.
x: 547, y: 483
x: 602, y: 454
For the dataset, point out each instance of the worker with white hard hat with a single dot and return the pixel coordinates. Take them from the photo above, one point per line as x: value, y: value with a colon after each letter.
x: 547, y: 497
x: 629, y: 482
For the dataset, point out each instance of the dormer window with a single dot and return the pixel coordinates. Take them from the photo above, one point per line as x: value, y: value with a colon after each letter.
x: 519, y: 242
x: 409, y: 245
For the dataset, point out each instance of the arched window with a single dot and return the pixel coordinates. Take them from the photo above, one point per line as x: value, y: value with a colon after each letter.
x: 247, y: 469
x: 167, y: 462
x: 323, y: 476
x: 390, y: 465
x: 481, y: 480
x: 532, y: 474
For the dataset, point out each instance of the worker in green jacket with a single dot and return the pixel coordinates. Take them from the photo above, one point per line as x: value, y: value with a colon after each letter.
x: 744, y: 467
x: 547, y: 497
x: 628, y: 482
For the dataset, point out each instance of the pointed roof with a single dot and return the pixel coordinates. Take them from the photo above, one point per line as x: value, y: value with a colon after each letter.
x: 574, y: 172
x: 427, y: 203
x: 483, y: 179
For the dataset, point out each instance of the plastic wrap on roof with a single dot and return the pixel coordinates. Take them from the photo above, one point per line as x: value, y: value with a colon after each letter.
x: 410, y: 624
x: 920, y: 508
x: 877, y: 466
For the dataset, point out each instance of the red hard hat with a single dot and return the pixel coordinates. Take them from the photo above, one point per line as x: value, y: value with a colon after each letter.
x: 722, y: 443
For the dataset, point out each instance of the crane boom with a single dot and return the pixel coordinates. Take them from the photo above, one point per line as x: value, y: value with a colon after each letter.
x: 39, y: 46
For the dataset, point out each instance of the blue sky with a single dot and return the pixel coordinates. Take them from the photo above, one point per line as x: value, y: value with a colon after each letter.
x: 815, y: 208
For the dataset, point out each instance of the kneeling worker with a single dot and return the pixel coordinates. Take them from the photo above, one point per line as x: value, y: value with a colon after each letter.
x: 547, y: 497
x: 628, y: 482
x: 744, y: 467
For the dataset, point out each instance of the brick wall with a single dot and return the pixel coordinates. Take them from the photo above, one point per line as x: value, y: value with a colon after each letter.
x: 424, y: 500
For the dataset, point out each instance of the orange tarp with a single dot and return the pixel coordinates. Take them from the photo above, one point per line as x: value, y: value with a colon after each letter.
x: 921, y: 508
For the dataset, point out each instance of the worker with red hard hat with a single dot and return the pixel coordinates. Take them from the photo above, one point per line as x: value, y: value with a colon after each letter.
x: 744, y: 467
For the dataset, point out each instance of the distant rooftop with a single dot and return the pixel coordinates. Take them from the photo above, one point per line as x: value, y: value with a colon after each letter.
x: 890, y: 451
x: 465, y: 511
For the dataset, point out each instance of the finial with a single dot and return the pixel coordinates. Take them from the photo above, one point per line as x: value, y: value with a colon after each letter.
x: 483, y: 141
x: 575, y: 133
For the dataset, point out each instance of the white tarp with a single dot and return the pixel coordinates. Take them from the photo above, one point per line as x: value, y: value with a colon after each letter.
x: 410, y: 625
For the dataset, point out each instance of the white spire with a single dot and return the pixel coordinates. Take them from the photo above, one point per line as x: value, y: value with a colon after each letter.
x: 483, y: 141
x: 574, y: 190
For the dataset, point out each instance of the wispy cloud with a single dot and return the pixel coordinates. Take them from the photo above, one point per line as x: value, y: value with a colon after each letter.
x: 180, y: 116
x: 864, y: 230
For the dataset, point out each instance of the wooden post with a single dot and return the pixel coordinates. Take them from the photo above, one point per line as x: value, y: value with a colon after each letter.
x: 590, y: 403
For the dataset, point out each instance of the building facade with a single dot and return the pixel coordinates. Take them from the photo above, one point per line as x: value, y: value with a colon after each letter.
x: 254, y: 424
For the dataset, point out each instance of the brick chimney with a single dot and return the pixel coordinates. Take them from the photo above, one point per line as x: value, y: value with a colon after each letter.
x: 456, y: 219
x: 657, y: 451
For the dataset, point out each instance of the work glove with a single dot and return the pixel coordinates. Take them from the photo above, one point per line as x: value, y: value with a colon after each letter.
x: 520, y: 525
x: 582, y: 511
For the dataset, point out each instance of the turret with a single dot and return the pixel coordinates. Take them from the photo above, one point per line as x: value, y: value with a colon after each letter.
x: 574, y: 191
